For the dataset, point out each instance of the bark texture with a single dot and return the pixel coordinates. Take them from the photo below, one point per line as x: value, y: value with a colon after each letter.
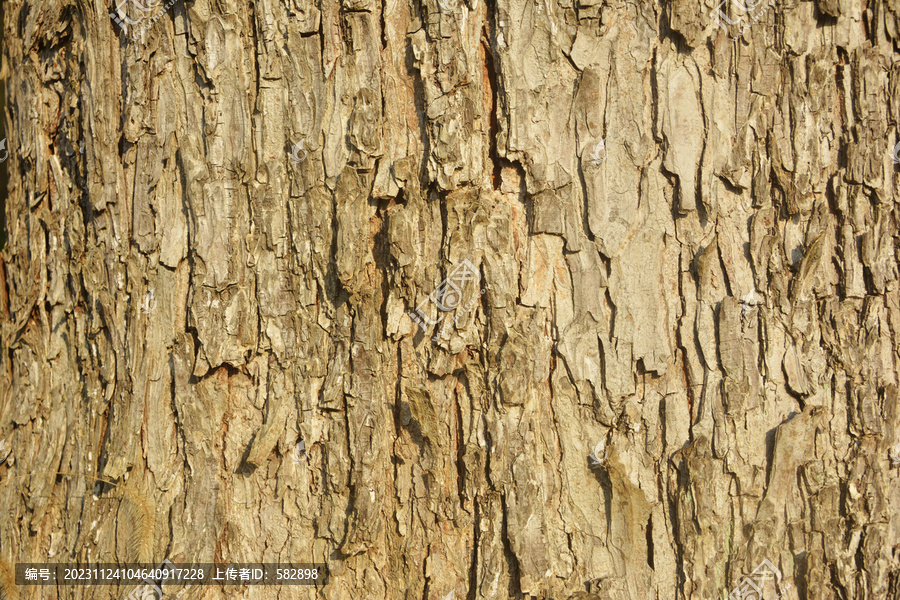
x: 679, y: 358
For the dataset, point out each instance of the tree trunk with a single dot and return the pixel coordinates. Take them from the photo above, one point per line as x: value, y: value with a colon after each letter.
x: 518, y: 299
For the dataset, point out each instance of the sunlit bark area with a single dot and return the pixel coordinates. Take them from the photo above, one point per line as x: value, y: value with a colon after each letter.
x: 531, y: 299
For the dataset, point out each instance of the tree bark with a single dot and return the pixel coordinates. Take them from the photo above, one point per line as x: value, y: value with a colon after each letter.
x: 233, y: 229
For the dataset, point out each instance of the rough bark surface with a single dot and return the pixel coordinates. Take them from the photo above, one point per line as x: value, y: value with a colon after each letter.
x: 679, y: 357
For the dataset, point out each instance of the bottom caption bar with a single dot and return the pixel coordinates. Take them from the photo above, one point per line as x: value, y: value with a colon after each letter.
x: 167, y: 573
